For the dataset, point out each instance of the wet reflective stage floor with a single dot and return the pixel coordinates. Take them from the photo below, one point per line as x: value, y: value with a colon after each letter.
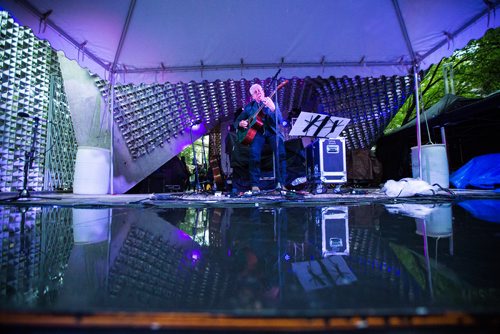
x: 308, y: 267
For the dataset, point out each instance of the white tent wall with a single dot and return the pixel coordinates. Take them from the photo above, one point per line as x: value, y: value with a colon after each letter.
x: 88, y: 109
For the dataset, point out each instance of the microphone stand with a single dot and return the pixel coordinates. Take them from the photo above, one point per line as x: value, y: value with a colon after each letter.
x: 277, y: 171
x: 204, y: 161
x: 29, y: 158
x: 196, y: 175
x: 28, y: 162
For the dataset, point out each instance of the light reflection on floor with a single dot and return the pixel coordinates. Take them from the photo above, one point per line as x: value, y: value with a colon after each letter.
x: 412, y: 257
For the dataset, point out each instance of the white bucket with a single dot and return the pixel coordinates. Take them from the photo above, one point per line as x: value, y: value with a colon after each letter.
x: 91, y: 225
x: 434, y: 164
x: 91, y: 171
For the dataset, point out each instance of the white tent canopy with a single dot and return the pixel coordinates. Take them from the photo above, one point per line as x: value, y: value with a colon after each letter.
x: 146, y: 41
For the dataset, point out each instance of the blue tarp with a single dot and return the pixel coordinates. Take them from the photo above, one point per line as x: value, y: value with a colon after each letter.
x: 480, y: 172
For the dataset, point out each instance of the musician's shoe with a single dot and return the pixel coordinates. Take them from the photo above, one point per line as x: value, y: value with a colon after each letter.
x: 284, y: 190
x: 255, y: 190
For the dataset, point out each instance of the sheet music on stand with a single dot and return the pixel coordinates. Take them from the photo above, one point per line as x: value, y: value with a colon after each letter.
x: 318, y: 125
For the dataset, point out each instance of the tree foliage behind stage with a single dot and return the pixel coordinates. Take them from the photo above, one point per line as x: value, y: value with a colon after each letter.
x: 476, y: 73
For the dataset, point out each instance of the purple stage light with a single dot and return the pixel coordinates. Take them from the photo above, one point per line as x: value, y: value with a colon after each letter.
x: 195, y: 255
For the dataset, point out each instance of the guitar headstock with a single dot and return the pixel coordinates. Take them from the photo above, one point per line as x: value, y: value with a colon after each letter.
x: 281, y: 85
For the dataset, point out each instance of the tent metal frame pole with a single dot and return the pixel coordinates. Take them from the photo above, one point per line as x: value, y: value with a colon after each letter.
x: 406, y: 37
x: 259, y: 66
x: 417, y: 111
x: 123, y: 35
x: 112, y: 126
x: 113, y: 74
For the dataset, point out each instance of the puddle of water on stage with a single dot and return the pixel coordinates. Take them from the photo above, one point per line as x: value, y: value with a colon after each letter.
x: 404, y: 258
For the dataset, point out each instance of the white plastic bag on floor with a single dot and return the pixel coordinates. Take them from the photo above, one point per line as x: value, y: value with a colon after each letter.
x: 408, y: 187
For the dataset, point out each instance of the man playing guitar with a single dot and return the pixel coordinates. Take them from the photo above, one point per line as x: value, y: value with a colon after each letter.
x: 262, y: 130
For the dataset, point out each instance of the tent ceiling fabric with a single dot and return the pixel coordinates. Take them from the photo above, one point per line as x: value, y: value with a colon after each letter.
x: 172, y: 41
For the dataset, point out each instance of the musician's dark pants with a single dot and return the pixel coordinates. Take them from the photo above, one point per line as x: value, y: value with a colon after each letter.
x: 256, y: 151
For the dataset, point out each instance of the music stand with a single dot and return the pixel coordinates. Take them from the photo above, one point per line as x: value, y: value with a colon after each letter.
x: 318, y: 125
x: 321, y: 126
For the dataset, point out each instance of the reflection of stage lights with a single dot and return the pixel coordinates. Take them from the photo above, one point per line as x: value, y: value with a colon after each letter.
x: 91, y: 225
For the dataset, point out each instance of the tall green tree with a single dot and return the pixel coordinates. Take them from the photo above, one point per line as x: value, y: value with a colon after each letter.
x: 475, y: 70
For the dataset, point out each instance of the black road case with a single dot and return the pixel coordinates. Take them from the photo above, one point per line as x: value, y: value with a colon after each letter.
x: 326, y: 161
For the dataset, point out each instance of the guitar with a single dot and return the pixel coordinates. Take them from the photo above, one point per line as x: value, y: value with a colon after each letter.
x: 255, y: 122
x: 216, y: 171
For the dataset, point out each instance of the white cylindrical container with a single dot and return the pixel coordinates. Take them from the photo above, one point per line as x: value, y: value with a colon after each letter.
x: 434, y: 164
x: 91, y: 171
x: 91, y: 225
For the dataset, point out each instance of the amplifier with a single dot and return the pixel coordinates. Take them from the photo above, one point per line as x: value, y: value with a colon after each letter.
x: 326, y: 161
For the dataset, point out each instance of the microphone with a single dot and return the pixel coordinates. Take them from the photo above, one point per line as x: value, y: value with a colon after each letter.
x: 273, y: 80
x: 276, y: 75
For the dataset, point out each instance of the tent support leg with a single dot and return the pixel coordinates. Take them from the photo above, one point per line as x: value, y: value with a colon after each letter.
x: 417, y: 110
x: 111, y: 125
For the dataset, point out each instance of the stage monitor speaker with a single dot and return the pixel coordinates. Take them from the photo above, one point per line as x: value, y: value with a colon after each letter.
x: 326, y: 161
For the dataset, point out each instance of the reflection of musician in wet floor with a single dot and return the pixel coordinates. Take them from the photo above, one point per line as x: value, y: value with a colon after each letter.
x: 264, y: 131
x: 253, y: 258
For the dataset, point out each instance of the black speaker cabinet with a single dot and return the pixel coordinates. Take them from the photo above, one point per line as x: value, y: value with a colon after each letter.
x: 326, y: 161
